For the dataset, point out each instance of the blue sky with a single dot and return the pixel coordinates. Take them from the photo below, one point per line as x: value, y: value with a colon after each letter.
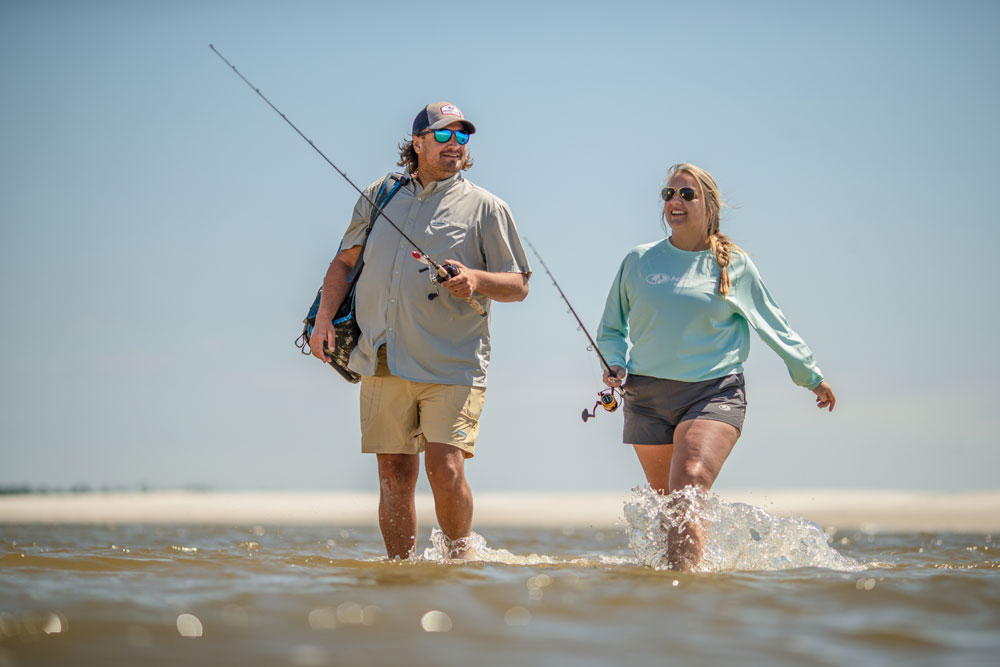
x: 164, y: 230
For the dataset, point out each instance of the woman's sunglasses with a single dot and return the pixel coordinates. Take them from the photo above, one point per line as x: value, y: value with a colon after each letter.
x: 444, y: 136
x: 687, y: 194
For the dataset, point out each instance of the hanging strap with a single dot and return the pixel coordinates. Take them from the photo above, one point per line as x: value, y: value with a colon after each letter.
x: 381, y: 201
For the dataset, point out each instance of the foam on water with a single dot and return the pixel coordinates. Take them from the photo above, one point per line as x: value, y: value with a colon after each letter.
x: 477, y: 550
x: 735, y: 536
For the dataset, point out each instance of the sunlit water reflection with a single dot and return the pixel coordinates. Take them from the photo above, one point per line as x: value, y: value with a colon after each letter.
x: 772, y: 591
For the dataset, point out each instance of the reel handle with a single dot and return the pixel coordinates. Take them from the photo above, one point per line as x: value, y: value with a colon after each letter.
x: 607, y: 399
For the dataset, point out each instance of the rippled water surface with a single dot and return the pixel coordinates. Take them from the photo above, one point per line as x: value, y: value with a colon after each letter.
x: 313, y: 596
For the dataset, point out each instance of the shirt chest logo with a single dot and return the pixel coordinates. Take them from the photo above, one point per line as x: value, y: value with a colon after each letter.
x: 450, y: 226
x: 658, y: 278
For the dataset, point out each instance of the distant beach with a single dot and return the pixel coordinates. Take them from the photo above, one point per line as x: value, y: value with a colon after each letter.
x: 840, y: 509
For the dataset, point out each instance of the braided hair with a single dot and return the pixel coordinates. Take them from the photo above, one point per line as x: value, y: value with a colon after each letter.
x: 721, y: 246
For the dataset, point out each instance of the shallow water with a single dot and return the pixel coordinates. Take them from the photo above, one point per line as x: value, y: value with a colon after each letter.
x: 314, y: 596
x: 735, y: 536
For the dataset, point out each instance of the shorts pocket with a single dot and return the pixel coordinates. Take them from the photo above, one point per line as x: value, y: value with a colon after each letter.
x: 371, y: 394
x: 472, y: 408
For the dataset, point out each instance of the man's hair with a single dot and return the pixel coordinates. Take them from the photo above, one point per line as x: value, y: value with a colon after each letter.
x: 408, y: 157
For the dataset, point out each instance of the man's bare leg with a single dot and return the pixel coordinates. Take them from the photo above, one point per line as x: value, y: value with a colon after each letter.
x: 452, y: 496
x: 397, y: 512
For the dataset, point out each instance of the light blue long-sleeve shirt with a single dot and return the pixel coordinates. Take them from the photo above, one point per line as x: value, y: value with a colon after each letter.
x: 666, y: 301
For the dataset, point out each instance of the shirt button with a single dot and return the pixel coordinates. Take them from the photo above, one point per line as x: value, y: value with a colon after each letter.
x: 390, y: 328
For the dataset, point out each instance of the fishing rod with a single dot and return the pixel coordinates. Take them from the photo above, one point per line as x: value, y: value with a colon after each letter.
x: 607, y: 398
x: 444, y: 272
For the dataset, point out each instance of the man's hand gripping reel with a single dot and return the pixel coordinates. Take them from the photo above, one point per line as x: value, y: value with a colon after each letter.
x: 607, y: 399
x: 444, y: 273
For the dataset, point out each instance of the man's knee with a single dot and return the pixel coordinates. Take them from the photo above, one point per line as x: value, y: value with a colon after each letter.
x: 398, y: 473
x: 445, y: 466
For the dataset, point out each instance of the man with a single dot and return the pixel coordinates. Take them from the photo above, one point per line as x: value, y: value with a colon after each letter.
x: 423, y: 351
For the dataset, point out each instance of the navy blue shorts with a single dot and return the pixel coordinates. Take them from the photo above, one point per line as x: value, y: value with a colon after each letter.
x: 654, y: 406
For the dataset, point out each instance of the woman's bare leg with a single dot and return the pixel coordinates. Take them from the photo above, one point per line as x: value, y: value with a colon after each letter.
x: 701, y: 446
x: 695, y: 458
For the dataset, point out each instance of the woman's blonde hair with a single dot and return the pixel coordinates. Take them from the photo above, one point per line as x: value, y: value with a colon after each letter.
x: 722, y: 248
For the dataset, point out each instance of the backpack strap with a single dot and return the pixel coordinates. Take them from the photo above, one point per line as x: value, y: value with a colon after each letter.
x: 385, y: 194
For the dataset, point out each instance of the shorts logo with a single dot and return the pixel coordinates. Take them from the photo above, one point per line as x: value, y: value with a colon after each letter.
x: 657, y: 278
x: 462, y: 433
x: 450, y: 110
x: 725, y: 408
x: 438, y: 223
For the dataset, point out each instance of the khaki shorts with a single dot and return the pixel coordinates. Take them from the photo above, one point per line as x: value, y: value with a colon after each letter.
x: 400, y: 417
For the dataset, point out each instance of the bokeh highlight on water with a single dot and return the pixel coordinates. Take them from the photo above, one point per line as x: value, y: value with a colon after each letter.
x: 768, y: 590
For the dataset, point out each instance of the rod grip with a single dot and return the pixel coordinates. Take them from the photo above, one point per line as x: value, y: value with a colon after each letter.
x: 448, y: 271
x: 476, y: 306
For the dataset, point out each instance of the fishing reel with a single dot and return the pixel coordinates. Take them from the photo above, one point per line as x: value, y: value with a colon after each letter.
x: 609, y: 399
x: 443, y: 273
x: 436, y: 278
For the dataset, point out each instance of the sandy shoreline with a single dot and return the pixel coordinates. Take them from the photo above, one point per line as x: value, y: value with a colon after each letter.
x: 868, y: 510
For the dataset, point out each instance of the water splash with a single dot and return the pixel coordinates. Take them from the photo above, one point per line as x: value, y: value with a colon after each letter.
x: 476, y: 550
x: 734, y: 536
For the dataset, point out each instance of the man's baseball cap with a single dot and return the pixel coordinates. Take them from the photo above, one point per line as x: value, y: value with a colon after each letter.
x: 438, y: 115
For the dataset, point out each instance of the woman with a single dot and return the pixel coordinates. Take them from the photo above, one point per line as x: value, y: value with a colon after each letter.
x: 687, y: 303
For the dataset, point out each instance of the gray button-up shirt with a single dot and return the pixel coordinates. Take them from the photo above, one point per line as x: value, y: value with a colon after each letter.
x: 441, y: 340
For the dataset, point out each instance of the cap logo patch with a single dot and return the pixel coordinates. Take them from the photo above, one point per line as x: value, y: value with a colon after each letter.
x: 450, y: 110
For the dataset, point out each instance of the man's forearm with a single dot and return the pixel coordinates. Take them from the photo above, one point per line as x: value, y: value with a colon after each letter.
x: 335, y: 285
x: 502, y: 286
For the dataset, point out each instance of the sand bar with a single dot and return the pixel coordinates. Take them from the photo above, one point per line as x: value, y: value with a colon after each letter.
x: 866, y: 510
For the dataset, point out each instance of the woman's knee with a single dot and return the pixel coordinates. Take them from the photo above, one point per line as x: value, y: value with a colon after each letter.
x: 702, y: 447
x: 693, y: 472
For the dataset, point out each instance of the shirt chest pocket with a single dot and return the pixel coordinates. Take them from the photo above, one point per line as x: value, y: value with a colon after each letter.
x: 455, y: 238
x: 447, y: 233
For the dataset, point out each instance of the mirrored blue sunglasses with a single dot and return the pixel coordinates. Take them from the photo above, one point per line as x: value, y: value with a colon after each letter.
x: 444, y: 136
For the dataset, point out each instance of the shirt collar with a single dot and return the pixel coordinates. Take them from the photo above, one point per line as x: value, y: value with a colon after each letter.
x: 436, y: 186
